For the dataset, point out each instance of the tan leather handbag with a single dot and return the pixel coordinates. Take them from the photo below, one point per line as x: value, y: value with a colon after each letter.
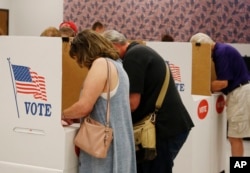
x: 93, y: 137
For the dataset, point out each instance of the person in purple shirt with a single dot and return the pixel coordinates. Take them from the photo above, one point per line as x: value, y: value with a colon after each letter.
x: 233, y: 81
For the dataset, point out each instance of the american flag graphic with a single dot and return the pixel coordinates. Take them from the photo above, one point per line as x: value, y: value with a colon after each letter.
x: 175, y: 72
x: 29, y: 82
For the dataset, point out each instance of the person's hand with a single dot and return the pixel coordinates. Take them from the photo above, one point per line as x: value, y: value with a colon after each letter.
x: 66, y: 122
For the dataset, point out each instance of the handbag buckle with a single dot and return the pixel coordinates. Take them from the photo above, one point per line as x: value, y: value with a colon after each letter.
x: 153, y: 117
x: 106, y: 136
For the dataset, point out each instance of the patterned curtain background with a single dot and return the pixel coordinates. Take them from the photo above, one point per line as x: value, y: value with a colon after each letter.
x: 224, y: 20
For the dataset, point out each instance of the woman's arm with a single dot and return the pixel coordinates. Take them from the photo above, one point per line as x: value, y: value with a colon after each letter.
x: 92, y: 88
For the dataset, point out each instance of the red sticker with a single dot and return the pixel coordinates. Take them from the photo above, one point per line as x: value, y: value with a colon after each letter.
x: 202, y: 109
x: 220, y: 104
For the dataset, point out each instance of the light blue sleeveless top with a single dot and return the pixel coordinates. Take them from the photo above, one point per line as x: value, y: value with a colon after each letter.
x: 121, y: 155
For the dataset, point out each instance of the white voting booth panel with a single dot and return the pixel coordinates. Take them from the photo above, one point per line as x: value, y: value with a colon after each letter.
x: 32, y: 137
x: 204, y: 141
x: 219, y: 132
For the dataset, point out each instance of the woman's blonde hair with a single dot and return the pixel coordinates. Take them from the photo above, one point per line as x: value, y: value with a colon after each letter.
x: 51, y: 32
x: 89, y: 45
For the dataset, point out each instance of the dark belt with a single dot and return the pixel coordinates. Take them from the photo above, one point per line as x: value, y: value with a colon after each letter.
x: 239, y: 85
x: 243, y: 83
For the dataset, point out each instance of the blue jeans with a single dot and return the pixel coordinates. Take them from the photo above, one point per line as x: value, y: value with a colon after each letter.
x: 167, y: 150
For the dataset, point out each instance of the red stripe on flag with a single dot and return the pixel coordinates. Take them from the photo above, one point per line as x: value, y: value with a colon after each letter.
x: 175, y: 72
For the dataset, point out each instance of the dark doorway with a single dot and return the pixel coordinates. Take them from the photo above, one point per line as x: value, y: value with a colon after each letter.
x: 4, y: 21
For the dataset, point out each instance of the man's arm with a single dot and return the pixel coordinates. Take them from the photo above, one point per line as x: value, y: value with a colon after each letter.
x: 218, y: 85
x: 134, y: 101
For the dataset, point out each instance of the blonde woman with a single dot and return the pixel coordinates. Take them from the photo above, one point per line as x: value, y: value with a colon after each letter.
x: 91, y: 50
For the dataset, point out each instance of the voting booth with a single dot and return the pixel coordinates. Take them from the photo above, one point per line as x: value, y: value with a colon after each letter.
x: 39, y: 79
x: 192, y: 69
x: 35, y: 87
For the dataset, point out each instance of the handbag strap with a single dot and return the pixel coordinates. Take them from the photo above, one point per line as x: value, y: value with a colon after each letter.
x: 163, y: 90
x: 108, y: 94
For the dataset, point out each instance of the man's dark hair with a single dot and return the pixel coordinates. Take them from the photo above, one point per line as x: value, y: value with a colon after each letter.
x: 167, y: 38
x: 97, y: 25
